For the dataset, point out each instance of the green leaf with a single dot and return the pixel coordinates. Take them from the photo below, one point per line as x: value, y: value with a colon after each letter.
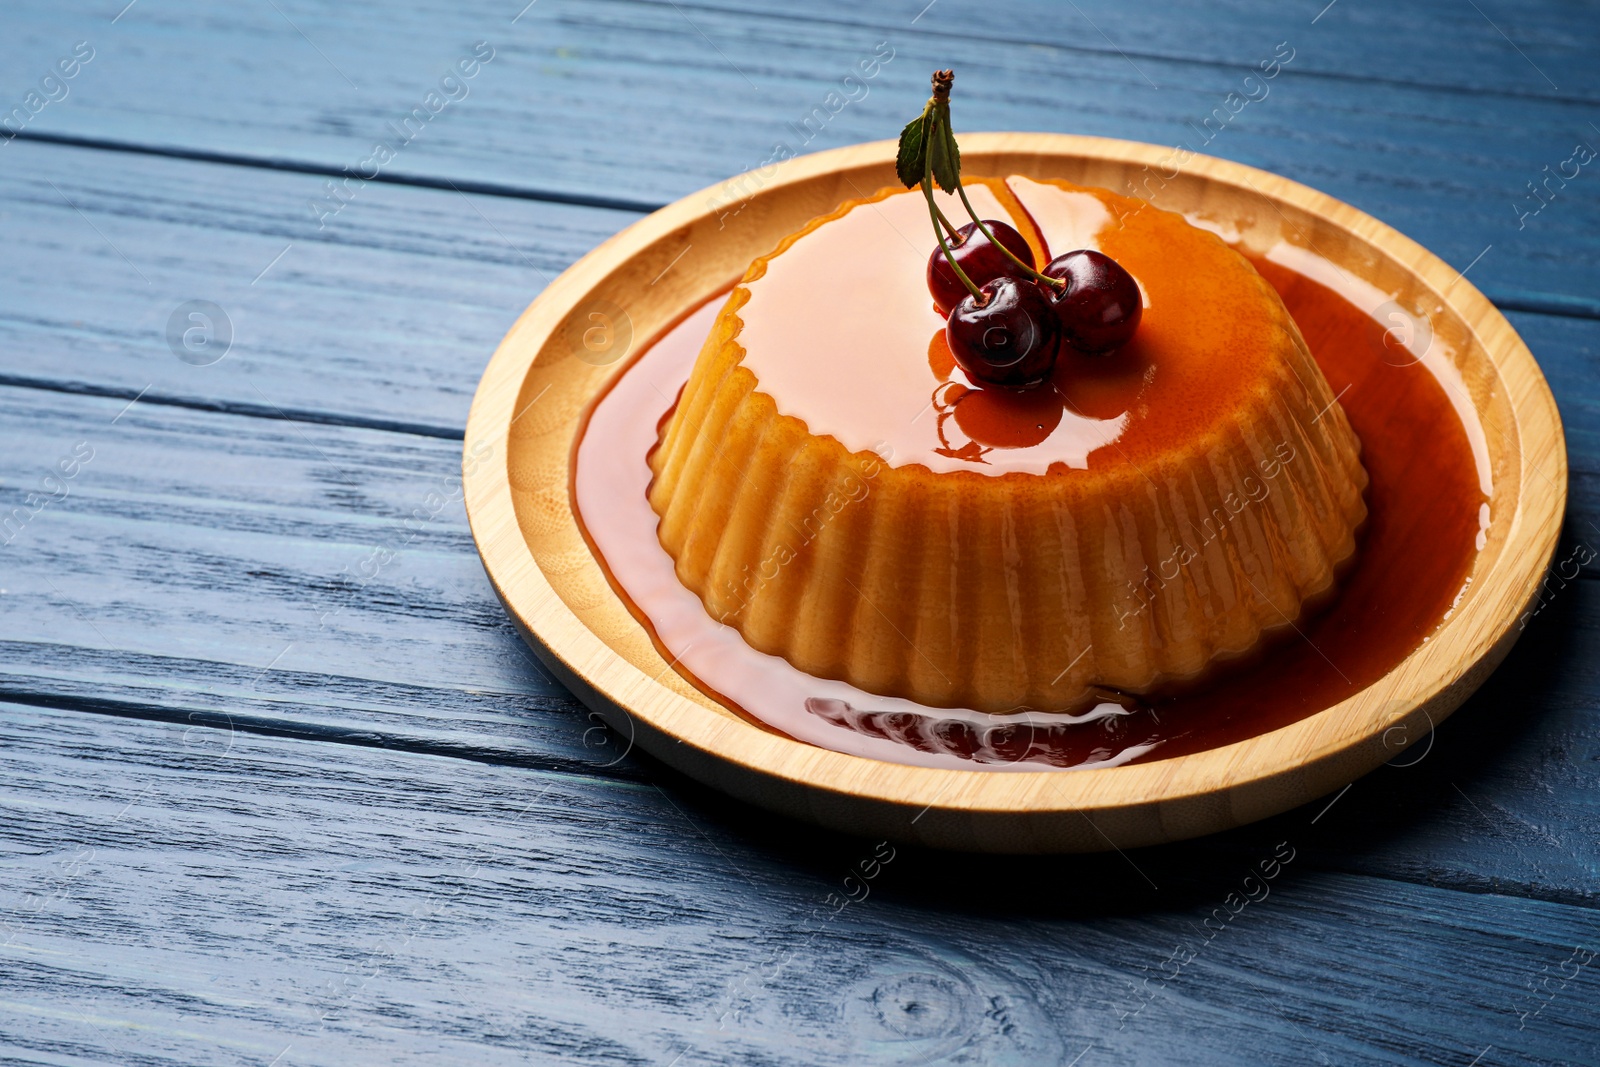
x: 946, y: 154
x: 912, y: 160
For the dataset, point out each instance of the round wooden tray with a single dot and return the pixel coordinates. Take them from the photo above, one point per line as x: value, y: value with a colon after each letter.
x: 574, y: 337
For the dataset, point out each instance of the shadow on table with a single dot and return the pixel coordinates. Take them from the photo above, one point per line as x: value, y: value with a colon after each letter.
x: 1392, y: 822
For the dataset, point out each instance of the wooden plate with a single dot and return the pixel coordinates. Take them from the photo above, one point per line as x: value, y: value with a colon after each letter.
x: 568, y: 343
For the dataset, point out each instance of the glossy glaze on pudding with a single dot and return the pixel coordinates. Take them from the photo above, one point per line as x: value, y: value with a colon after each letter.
x: 833, y: 487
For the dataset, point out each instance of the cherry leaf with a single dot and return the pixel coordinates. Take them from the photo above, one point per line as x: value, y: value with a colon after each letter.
x: 912, y: 161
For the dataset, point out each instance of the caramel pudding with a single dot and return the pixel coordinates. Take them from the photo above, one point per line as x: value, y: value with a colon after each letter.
x: 832, y: 486
x: 1429, y: 494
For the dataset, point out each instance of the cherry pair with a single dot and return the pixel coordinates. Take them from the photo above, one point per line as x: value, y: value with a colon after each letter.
x: 1011, y: 331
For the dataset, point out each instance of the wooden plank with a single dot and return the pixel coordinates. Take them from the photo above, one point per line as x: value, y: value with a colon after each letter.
x: 174, y: 896
x: 253, y: 589
x: 1473, y: 53
x: 297, y: 574
x: 578, y: 94
x: 385, y: 318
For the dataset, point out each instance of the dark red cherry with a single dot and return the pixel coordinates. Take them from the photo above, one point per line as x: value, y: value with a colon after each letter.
x: 1100, y: 306
x: 980, y: 259
x: 1010, y: 338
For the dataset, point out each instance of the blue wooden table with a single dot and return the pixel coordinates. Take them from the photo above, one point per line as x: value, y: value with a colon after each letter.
x: 280, y: 785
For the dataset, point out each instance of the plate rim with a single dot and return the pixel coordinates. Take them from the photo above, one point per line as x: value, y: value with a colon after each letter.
x: 1314, y: 755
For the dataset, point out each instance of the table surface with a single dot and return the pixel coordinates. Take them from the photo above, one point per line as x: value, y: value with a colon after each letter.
x: 282, y: 785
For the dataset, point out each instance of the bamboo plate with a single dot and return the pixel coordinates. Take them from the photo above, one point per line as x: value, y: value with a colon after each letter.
x: 517, y: 461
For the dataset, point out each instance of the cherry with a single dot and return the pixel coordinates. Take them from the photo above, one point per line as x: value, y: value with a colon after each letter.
x: 978, y: 257
x: 1010, y: 338
x: 1100, y: 306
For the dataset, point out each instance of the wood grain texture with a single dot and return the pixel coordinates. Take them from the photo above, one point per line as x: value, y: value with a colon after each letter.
x: 1361, y: 43
x: 315, y: 576
x: 540, y: 381
x: 164, y: 589
x: 1425, y: 116
x: 174, y: 896
x: 384, y: 318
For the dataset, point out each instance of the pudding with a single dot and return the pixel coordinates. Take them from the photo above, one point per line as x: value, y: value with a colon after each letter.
x: 834, y: 487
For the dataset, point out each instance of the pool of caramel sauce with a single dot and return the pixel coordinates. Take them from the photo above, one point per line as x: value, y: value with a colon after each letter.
x: 1427, y: 510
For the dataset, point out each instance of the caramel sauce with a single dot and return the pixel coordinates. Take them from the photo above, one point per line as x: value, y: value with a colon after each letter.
x: 1428, y: 502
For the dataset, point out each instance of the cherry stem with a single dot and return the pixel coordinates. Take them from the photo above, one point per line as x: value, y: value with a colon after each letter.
x: 951, y: 228
x: 930, y: 125
x: 1057, y: 283
x: 927, y: 191
x: 937, y: 115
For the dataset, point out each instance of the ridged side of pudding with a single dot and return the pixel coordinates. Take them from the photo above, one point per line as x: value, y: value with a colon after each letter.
x: 1019, y: 589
